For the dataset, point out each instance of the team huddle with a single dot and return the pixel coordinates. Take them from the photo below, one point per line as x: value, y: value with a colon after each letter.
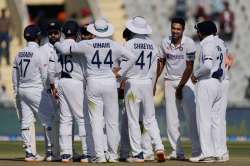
x: 107, y: 89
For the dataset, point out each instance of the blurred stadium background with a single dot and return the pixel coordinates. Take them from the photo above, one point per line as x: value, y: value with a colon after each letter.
x: 235, y: 30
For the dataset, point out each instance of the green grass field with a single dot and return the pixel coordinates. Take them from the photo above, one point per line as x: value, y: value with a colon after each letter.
x: 11, y: 154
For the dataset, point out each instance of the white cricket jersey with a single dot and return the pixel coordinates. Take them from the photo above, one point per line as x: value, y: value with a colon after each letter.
x: 100, y: 53
x: 145, y: 52
x: 73, y: 66
x: 211, y: 50
x: 48, y: 52
x: 224, y: 51
x: 28, y: 67
x: 176, y: 56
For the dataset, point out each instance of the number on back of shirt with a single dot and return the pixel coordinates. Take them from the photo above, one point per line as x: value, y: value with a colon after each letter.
x: 140, y: 61
x: 24, y: 64
x: 107, y: 60
x: 66, y: 62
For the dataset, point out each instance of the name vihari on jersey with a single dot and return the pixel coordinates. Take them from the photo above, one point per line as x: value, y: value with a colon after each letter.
x: 25, y: 54
x: 101, y: 45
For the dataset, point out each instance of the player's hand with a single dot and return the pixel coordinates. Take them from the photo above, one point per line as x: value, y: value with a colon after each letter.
x: 178, y: 92
x: 194, y: 79
x: 54, y: 93
x: 115, y: 70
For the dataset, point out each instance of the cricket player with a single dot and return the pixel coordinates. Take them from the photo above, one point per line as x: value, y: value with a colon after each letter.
x: 52, y: 133
x: 178, y: 53
x: 146, y: 142
x: 207, y: 79
x: 28, y: 77
x: 101, y: 53
x: 138, y: 80
x: 70, y: 91
x: 222, y: 153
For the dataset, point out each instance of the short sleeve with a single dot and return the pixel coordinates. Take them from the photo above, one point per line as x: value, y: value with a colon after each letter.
x: 191, y: 50
x: 161, y: 52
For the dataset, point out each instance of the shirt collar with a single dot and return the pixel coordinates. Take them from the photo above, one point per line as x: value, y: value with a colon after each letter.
x: 180, y: 45
x: 206, y: 39
x: 32, y: 44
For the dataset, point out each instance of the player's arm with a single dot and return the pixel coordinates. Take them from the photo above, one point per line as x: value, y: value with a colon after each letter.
x: 15, y: 77
x: 161, y: 61
x: 185, y: 76
x: 43, y: 71
x: 53, y: 72
x: 159, y: 68
x: 129, y: 56
x: 15, y: 82
x: 75, y: 48
x: 204, y: 69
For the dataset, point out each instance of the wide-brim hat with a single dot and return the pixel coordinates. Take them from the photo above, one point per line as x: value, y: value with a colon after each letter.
x: 101, y: 28
x: 139, y: 25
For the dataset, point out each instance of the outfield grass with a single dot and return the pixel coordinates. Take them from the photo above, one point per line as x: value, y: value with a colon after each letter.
x: 11, y: 154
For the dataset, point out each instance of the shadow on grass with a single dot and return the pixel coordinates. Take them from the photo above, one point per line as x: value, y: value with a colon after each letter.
x: 12, y: 159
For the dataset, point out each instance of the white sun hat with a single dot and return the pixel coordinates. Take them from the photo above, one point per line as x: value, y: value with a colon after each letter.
x: 139, y: 25
x: 101, y: 28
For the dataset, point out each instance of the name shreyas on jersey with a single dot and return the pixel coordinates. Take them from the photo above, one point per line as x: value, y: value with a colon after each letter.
x: 25, y: 54
x: 173, y: 57
x: 143, y: 46
x: 101, y: 45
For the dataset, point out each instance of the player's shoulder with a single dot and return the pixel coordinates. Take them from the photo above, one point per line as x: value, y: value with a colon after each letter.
x: 166, y: 40
x: 187, y: 38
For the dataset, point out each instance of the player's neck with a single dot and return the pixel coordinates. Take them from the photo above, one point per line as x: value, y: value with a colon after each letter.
x: 176, y: 42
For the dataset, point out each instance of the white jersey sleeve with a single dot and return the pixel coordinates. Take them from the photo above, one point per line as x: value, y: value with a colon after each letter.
x: 191, y: 50
x: 128, y: 55
x: 15, y: 76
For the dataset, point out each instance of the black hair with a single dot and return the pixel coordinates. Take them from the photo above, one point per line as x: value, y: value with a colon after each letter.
x: 127, y: 34
x: 178, y: 20
x: 84, y: 31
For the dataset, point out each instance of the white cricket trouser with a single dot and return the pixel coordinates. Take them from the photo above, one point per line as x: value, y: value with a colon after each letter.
x: 146, y: 142
x: 31, y: 105
x: 173, y: 114
x: 136, y: 92
x: 222, y: 150
x: 104, y: 112
x: 208, y: 102
x: 71, y: 98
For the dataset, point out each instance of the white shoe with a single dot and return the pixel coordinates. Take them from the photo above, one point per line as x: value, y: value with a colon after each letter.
x: 136, y: 159
x: 222, y: 158
x: 174, y: 156
x: 66, y: 158
x: 98, y: 160
x: 149, y: 157
x: 33, y: 158
x: 202, y: 159
x: 113, y: 160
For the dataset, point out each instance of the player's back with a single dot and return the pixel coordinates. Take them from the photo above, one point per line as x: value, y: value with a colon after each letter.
x: 145, y: 51
x: 101, y: 54
x: 212, y: 50
x: 28, y: 63
x: 221, y: 47
x: 73, y: 66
